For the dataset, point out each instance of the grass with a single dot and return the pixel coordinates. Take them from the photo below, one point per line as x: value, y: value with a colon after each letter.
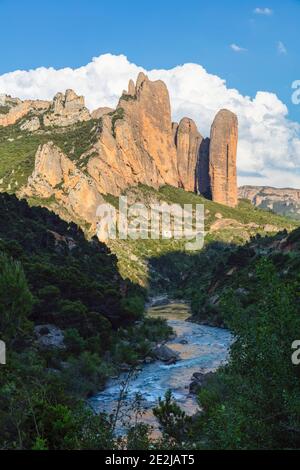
x: 17, y: 152
x: 4, y: 109
x: 116, y: 116
x: 18, y: 149
x: 134, y: 256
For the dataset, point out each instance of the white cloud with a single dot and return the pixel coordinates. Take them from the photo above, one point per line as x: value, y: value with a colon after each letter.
x: 282, y: 50
x: 237, y: 48
x: 263, y: 11
x: 269, y: 143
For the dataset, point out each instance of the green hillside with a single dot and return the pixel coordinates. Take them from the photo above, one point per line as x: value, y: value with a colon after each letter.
x: 55, y: 284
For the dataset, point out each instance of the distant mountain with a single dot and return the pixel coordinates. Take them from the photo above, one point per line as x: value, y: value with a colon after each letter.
x: 283, y: 201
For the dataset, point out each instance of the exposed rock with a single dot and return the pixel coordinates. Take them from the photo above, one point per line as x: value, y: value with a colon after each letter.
x: 174, y: 130
x: 202, y: 170
x: 222, y: 224
x: 31, y: 125
x: 18, y: 109
x: 66, y: 109
x: 271, y: 228
x: 99, y: 112
x: 56, y: 176
x: 222, y: 158
x: 49, y: 337
x: 183, y: 341
x: 136, y: 142
x: 283, y: 201
x: 148, y: 360
x: 165, y: 354
x: 158, y: 301
x: 200, y: 380
x: 187, y: 141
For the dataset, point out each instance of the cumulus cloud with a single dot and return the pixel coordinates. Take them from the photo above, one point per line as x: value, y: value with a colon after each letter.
x: 282, y: 50
x: 269, y: 143
x: 263, y: 11
x: 237, y: 48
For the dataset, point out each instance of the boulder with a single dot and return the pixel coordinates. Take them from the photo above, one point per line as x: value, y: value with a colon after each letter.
x: 165, y: 354
x: 49, y: 337
x: 200, y: 380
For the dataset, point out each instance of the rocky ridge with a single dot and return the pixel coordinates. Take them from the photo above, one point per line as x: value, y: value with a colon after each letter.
x: 283, y: 201
x: 137, y: 143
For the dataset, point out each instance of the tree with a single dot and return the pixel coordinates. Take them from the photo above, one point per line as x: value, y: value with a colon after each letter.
x: 15, y: 298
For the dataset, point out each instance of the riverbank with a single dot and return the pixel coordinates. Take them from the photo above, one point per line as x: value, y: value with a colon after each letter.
x: 201, y: 349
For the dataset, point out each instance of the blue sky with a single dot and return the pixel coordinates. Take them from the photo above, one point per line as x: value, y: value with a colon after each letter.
x: 160, y: 34
x: 96, y: 46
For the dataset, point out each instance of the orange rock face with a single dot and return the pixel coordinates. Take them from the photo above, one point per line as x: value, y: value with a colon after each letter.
x: 21, y: 109
x: 66, y: 109
x: 188, y: 141
x: 55, y: 175
x: 136, y: 141
x: 222, y: 158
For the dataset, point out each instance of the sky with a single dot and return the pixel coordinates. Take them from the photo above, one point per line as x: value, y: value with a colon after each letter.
x: 237, y: 54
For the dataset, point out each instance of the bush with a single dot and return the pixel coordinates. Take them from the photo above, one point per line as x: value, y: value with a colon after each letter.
x: 15, y: 298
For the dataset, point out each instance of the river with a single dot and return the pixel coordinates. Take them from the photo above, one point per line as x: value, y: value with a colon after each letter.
x: 201, y: 348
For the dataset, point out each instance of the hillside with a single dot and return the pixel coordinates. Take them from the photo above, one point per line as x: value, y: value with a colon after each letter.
x: 72, y: 307
x: 253, y: 401
x: 69, y: 322
x: 283, y: 201
x: 162, y: 264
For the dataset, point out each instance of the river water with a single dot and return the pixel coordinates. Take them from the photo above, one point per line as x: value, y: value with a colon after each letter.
x: 201, y: 349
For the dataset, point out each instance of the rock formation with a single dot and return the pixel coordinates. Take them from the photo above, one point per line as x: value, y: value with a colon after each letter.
x: 283, y: 201
x: 136, y: 143
x: 56, y: 176
x: 202, y: 169
x: 66, y: 109
x: 17, y: 109
x: 188, y: 141
x: 99, y: 112
x: 222, y: 158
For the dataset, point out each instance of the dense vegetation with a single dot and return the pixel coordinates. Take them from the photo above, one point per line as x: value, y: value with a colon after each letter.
x: 164, y: 265
x: 18, y: 149
x: 254, y: 401
x: 50, y: 276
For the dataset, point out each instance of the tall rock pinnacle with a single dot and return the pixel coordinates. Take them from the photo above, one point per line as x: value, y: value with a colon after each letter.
x: 222, y: 158
x: 187, y: 141
x: 136, y: 142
